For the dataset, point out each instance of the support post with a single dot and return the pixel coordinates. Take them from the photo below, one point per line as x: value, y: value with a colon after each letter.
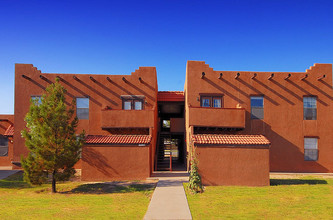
x: 170, y: 160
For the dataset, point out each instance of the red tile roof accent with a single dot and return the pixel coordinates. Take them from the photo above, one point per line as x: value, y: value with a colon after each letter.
x: 9, y: 131
x: 170, y: 96
x: 118, y: 139
x: 230, y: 139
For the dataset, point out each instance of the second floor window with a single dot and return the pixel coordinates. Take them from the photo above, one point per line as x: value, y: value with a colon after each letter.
x: 211, y: 101
x: 257, y: 107
x: 132, y: 103
x: 309, y: 108
x: 82, y: 108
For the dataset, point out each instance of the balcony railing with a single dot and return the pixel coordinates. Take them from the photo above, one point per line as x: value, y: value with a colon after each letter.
x: 217, y: 117
x: 127, y: 118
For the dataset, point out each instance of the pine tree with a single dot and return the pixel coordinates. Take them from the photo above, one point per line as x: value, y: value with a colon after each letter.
x: 50, y: 137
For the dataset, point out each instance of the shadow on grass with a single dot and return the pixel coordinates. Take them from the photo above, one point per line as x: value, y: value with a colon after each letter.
x: 14, y: 181
x: 277, y: 182
x: 113, y: 187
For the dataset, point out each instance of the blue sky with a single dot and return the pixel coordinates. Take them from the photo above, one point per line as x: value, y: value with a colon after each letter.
x: 116, y: 37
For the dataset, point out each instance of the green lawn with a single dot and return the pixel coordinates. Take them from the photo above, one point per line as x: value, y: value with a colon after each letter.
x: 75, y: 200
x: 306, y: 198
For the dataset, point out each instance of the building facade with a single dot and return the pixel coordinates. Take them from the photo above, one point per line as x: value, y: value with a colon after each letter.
x: 292, y: 110
x: 242, y: 125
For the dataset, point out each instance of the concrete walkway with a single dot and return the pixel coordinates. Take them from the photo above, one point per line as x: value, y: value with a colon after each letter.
x: 6, y: 173
x: 169, y: 199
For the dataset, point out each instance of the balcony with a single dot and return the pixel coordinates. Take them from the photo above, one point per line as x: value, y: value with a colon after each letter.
x: 127, y: 118
x: 217, y: 117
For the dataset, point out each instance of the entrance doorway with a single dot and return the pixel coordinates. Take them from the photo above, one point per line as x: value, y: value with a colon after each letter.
x: 170, y: 156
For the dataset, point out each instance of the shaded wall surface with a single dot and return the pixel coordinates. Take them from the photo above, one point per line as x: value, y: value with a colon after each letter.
x: 5, y: 121
x: 115, y: 162
x: 283, y: 122
x: 105, y: 93
x: 231, y: 165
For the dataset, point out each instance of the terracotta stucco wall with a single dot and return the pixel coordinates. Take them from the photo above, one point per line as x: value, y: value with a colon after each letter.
x: 177, y: 125
x: 232, y: 165
x: 112, y: 162
x: 283, y: 122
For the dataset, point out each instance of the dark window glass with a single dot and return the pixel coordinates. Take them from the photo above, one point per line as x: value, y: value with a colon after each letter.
x: 3, y: 146
x: 310, y: 108
x: 311, y: 149
x: 257, y: 107
x: 217, y: 102
x: 205, y: 102
x: 82, y: 108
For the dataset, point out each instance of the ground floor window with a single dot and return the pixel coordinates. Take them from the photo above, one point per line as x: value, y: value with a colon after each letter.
x: 311, y: 149
x: 3, y: 146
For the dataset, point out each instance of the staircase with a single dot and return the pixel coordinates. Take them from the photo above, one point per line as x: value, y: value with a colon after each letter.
x: 163, y: 163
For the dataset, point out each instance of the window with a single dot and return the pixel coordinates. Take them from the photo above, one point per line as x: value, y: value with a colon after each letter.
x: 217, y: 102
x: 311, y: 149
x: 133, y: 102
x: 211, y: 101
x: 138, y: 104
x: 3, y: 146
x: 166, y: 124
x: 36, y: 99
x: 310, y: 108
x: 127, y: 105
x: 82, y: 108
x: 257, y: 107
x: 205, y: 102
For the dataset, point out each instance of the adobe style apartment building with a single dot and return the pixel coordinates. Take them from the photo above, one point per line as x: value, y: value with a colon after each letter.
x: 242, y: 125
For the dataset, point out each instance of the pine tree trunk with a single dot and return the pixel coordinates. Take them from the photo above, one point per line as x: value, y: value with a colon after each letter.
x: 54, y: 190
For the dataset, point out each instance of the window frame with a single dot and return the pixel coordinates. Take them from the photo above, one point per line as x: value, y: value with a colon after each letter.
x: 133, y: 100
x: 314, y: 117
x: 77, y: 107
x: 211, y: 99
x: 253, y: 117
x: 309, y: 152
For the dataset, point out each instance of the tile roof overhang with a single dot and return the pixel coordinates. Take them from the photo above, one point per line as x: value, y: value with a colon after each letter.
x: 234, y: 140
x: 9, y: 131
x: 118, y: 139
x: 170, y: 96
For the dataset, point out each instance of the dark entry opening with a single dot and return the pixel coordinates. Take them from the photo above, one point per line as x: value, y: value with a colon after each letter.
x: 170, y: 156
x: 170, y: 149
